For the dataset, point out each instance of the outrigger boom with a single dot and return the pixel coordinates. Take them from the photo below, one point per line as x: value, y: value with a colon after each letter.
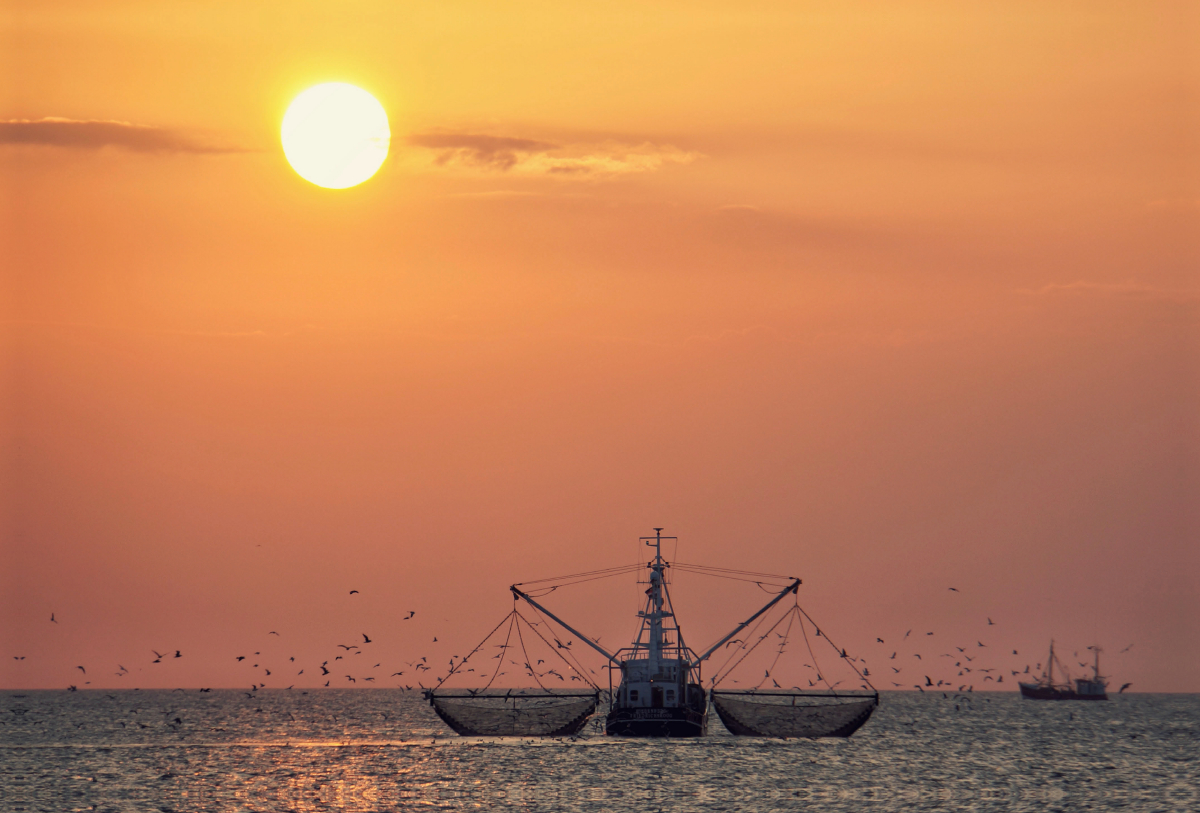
x: 519, y: 594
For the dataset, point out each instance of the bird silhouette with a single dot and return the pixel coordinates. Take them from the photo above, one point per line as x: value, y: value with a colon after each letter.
x: 273, y: 632
x: 367, y: 640
x: 991, y: 623
x: 81, y: 669
x: 1124, y: 687
x: 52, y: 618
x: 177, y: 654
x: 954, y: 589
x: 240, y: 658
x: 352, y: 592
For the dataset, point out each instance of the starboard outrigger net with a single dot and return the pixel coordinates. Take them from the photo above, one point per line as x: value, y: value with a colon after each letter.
x: 825, y: 712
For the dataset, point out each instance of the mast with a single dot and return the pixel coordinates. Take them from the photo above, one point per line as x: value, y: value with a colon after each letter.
x: 1050, y: 665
x: 655, y: 616
x: 1096, y: 666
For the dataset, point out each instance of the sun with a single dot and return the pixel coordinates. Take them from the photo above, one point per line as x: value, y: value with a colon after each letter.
x: 335, y: 135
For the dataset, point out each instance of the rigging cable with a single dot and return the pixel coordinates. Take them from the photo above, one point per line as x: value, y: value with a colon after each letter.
x: 478, y: 647
x: 841, y: 652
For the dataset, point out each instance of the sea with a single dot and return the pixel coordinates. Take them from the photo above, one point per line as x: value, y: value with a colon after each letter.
x: 376, y: 750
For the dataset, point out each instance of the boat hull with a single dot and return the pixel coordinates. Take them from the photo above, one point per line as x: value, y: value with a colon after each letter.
x: 1033, y: 691
x: 643, y: 722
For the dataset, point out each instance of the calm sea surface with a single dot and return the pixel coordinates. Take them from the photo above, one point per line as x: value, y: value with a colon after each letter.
x: 385, y: 750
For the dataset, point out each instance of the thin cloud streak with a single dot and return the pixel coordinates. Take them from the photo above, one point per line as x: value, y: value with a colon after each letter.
x: 529, y: 156
x: 492, y: 152
x: 95, y: 134
x: 1125, y: 289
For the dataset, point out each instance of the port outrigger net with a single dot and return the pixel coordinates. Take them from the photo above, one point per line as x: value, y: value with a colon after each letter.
x: 540, y: 712
x: 818, y: 711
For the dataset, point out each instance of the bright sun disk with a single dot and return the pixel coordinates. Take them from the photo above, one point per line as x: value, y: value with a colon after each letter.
x: 335, y: 135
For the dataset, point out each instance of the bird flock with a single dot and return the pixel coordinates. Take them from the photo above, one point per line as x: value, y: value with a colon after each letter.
x: 918, y: 659
x: 266, y: 667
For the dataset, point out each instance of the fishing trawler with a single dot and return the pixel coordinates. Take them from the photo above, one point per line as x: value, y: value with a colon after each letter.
x: 1094, y: 688
x: 660, y: 691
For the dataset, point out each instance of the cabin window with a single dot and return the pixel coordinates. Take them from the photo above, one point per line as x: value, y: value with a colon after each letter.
x: 670, y: 695
x: 633, y: 695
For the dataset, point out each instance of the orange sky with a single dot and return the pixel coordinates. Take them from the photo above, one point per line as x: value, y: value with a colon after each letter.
x: 892, y: 297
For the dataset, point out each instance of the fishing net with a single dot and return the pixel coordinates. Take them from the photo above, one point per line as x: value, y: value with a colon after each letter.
x: 785, y: 714
x: 514, y: 715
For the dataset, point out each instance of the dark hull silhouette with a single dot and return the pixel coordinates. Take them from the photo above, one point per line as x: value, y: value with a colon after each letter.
x: 1033, y: 691
x: 676, y: 722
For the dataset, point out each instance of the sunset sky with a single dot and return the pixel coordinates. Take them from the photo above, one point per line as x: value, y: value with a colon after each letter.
x: 893, y: 297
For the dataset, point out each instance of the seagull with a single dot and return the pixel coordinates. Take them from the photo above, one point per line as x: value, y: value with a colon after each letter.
x: 411, y: 613
x: 240, y: 658
x: 52, y: 618
x: 347, y: 648
x: 352, y: 592
x: 81, y: 669
x: 880, y: 640
x: 907, y: 634
x: 1126, y: 686
x: 367, y: 640
x: 177, y: 654
x: 991, y: 623
x: 954, y: 589
x: 1126, y: 649
x: 273, y: 632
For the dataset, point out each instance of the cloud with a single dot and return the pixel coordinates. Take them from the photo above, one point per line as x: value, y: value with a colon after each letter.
x: 92, y: 134
x: 528, y: 156
x: 491, y: 152
x: 1123, y: 289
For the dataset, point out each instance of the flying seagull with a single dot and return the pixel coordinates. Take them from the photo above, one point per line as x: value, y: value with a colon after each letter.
x: 367, y: 640
x: 352, y: 592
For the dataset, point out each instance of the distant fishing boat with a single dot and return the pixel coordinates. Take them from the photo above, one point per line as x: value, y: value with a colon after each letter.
x: 1093, y: 688
x: 660, y: 691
